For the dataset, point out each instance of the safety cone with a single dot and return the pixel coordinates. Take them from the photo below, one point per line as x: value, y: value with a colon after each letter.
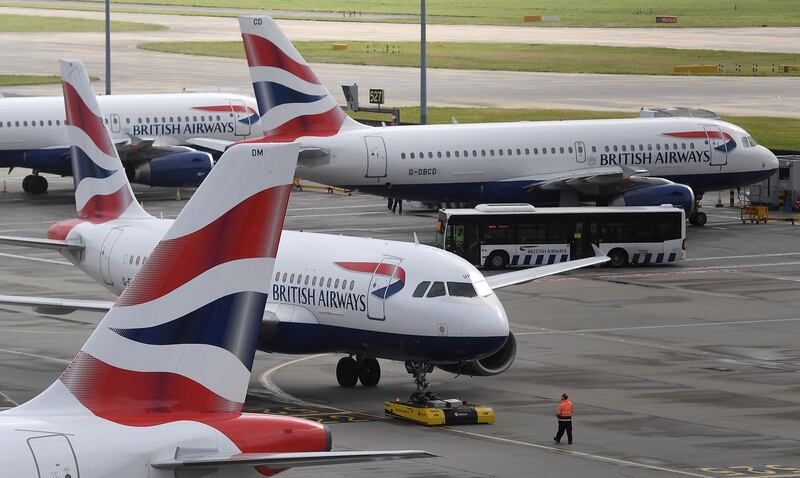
x: 177, y: 194
x: 5, y: 188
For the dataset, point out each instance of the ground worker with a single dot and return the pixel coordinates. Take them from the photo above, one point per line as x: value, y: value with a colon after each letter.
x: 564, y: 414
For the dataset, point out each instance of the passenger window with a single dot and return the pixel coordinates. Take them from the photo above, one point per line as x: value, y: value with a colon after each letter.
x: 519, y: 152
x: 277, y: 276
x: 336, y: 284
x: 527, y: 151
x: 683, y: 145
x: 615, y: 148
x: 438, y: 154
x: 284, y: 277
x: 125, y: 258
x: 455, y: 153
x: 218, y: 118
x: 535, y: 150
x: 163, y: 119
x: 437, y: 290
x: 130, y: 261
x: 306, y: 281
x: 623, y: 148
x: 137, y: 259
x: 299, y: 278
x: 466, y: 154
x: 553, y: 150
x: 658, y: 147
x: 474, y: 153
x: 329, y: 282
x: 447, y: 153
x: 561, y: 150
x: 649, y: 147
x: 483, y: 152
x: 544, y: 151
x: 430, y: 155
x: 491, y: 152
x: 291, y: 278
x: 344, y: 284
x: 500, y: 152
x: 128, y: 120
x: 25, y: 123
x: 314, y: 281
x: 402, y: 155
x: 421, y: 288
x: 641, y: 147
x: 16, y: 123
x: 510, y: 152
x: 412, y: 155
x: 352, y: 284
x: 461, y: 289
x: 49, y: 122
x: 594, y: 149
x: 41, y: 122
x: 666, y: 146
x: 691, y: 145
x: 194, y: 118
x: 570, y: 150
x: 606, y: 149
x: 421, y: 155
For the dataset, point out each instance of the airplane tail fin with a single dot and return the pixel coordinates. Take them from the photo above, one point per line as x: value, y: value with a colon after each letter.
x: 102, y: 190
x: 181, y: 339
x: 291, y: 100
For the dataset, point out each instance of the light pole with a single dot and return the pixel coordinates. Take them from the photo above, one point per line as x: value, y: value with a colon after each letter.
x: 423, y: 63
x: 108, y: 47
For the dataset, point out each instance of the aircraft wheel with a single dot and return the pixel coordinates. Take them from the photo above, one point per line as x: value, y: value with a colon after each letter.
x: 698, y: 219
x: 36, y: 185
x: 347, y: 372
x: 26, y: 183
x: 619, y: 258
x: 497, y: 260
x: 369, y: 371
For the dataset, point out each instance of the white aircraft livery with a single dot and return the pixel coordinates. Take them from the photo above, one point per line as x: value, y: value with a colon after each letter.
x: 158, y: 388
x: 637, y: 162
x: 156, y: 135
x: 365, y: 298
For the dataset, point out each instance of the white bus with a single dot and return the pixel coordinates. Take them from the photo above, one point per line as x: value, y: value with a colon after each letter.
x: 518, y: 235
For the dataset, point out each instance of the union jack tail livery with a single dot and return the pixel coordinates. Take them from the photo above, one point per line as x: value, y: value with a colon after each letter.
x: 181, y: 338
x: 102, y: 190
x: 291, y: 100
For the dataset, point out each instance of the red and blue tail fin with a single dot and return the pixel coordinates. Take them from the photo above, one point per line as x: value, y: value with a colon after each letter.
x: 291, y: 100
x: 181, y: 338
x: 102, y: 190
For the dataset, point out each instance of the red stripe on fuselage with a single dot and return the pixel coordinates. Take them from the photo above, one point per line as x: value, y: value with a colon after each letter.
x: 262, y: 52
x: 80, y: 116
x: 375, y: 268
x: 701, y: 135
x: 251, y: 229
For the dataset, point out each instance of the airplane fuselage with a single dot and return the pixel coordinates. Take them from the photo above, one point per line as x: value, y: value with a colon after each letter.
x: 326, y: 296
x: 498, y: 162
x: 32, y: 132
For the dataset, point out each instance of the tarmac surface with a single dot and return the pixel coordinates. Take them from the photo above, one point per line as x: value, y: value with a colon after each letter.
x: 138, y: 71
x: 684, y: 370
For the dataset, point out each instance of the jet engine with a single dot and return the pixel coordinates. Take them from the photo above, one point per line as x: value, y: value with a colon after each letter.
x: 187, y: 168
x: 676, y: 194
x: 494, y: 364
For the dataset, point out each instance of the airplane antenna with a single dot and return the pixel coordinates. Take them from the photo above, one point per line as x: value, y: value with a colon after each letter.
x: 416, y: 239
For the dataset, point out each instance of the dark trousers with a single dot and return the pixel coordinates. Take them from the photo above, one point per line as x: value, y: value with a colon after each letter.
x: 564, y: 426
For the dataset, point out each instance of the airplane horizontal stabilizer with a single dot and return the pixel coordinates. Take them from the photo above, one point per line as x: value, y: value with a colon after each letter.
x: 41, y: 243
x: 55, y: 304
x: 518, y: 277
x: 287, y: 460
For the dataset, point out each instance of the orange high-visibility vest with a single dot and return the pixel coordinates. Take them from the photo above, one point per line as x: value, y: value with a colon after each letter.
x: 565, y: 409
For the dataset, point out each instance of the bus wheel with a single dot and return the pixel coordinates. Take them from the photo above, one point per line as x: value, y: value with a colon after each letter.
x: 619, y: 258
x: 497, y: 260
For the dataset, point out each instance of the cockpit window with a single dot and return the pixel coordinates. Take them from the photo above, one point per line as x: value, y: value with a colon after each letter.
x: 421, y: 288
x: 461, y: 289
x: 752, y: 141
x: 437, y: 290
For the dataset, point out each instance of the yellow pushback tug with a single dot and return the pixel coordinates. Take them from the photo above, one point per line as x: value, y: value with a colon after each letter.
x: 428, y: 409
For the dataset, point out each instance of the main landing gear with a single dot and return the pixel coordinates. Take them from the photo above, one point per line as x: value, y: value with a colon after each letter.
x: 697, y: 218
x: 34, y: 184
x: 350, y: 371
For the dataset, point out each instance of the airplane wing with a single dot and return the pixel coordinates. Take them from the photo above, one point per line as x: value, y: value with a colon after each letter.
x: 54, y: 305
x: 287, y: 460
x: 526, y: 275
x: 217, y: 145
x: 600, y: 180
x: 41, y: 243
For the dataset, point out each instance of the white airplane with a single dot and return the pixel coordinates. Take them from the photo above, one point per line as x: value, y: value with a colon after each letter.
x: 635, y: 162
x: 157, y: 135
x: 157, y: 390
x: 365, y: 298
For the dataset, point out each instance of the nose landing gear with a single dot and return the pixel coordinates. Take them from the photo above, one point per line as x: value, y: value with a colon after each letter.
x: 350, y: 371
x: 419, y: 370
x: 697, y: 218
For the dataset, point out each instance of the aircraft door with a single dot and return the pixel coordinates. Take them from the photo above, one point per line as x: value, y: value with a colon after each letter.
x: 54, y: 456
x: 376, y: 157
x: 105, y: 254
x: 115, y: 123
x: 718, y: 147
x: 580, y: 152
x: 241, y: 118
x: 386, y: 280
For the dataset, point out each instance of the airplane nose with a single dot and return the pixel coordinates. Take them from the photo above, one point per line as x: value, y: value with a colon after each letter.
x: 770, y: 160
x: 492, y: 320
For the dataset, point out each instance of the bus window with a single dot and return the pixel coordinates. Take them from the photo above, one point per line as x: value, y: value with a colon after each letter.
x: 557, y: 232
x: 461, y: 289
x: 531, y: 233
x: 457, y: 244
x: 421, y: 288
x: 497, y: 233
x: 437, y: 290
